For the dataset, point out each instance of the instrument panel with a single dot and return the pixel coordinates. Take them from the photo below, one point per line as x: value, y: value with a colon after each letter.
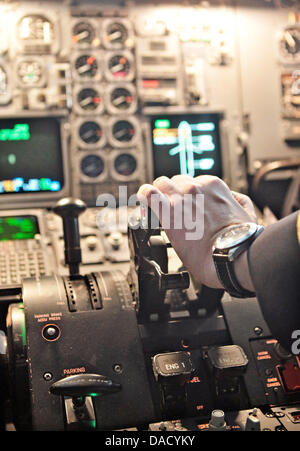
x: 103, y: 69
x: 129, y: 90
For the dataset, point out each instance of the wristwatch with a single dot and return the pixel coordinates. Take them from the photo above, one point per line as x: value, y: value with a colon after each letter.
x: 228, y: 245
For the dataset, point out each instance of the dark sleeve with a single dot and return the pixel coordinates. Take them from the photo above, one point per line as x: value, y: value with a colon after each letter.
x: 274, y: 262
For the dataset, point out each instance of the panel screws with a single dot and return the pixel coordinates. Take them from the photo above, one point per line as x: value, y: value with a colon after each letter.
x: 118, y: 368
x: 258, y: 330
x: 47, y: 376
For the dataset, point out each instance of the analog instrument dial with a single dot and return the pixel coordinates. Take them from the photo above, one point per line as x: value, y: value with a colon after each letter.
x: 86, y: 66
x: 36, y: 28
x: 91, y: 132
x: 121, y: 98
x: 83, y: 34
x: 30, y: 73
x: 290, y: 44
x: 89, y: 99
x: 92, y: 166
x: 123, y: 131
x: 125, y: 164
x: 119, y: 67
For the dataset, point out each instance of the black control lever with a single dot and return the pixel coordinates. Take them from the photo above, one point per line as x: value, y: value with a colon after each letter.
x: 69, y: 210
x: 149, y: 275
x: 84, y: 385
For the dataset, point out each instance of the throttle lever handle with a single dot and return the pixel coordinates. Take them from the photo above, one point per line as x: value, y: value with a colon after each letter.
x: 84, y: 385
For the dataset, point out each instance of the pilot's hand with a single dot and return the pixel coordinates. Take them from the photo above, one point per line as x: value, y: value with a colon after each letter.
x: 194, y: 220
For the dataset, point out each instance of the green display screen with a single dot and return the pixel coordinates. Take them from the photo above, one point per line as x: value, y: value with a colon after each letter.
x: 20, y: 132
x: 18, y: 227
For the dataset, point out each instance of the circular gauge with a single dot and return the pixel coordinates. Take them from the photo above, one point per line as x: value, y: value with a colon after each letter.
x: 116, y: 34
x: 123, y: 131
x: 89, y: 99
x: 122, y: 99
x: 91, y: 132
x: 290, y: 44
x: 30, y: 72
x: 120, y: 67
x: 92, y: 166
x: 86, y: 66
x: 36, y: 28
x: 83, y: 33
x: 125, y: 164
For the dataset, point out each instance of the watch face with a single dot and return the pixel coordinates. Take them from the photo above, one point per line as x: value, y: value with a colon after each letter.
x: 234, y: 235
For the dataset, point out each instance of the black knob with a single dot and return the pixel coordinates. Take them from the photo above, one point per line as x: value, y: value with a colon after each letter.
x: 69, y: 210
x: 84, y: 385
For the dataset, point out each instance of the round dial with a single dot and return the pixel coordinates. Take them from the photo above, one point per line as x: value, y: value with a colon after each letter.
x: 90, y: 132
x: 121, y: 98
x: 119, y: 66
x: 290, y: 43
x: 123, y: 131
x: 92, y: 166
x: 83, y: 33
x: 89, y: 99
x: 30, y: 72
x: 116, y: 34
x: 36, y: 28
x: 234, y: 235
x: 125, y: 164
x: 86, y: 66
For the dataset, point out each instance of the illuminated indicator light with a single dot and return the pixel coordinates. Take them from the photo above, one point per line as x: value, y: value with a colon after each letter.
x: 263, y: 357
x: 204, y: 127
x: 8, y: 186
x: 33, y: 185
x: 123, y: 60
x: 97, y: 99
x: 150, y: 83
x: 90, y: 60
x: 129, y: 99
x: 162, y: 123
x: 195, y: 379
x: 274, y: 384
x: 205, y: 164
x: 18, y: 184
x: 165, y: 141
x: 55, y: 186
x: 20, y: 132
x: 12, y: 159
x: 120, y: 74
x: 45, y: 184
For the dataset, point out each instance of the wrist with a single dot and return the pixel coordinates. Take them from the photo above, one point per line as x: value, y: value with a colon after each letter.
x: 242, y: 272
